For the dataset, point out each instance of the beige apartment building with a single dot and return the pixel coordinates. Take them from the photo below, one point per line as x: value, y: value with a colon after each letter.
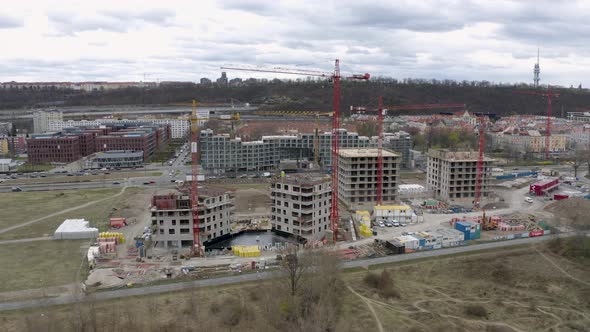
x: 452, y: 175
x: 357, y: 177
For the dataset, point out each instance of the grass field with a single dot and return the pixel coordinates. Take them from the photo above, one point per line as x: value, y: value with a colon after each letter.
x: 16, y: 207
x: 49, y: 202
x: 39, y: 264
x: 87, y: 178
x: 506, y: 290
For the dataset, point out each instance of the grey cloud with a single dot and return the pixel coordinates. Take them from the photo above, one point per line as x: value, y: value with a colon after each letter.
x: 7, y: 22
x: 260, y: 7
x: 116, y: 21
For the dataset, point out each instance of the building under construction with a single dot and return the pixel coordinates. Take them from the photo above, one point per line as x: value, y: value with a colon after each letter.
x: 301, y: 205
x: 358, y: 177
x: 172, y: 220
x: 452, y: 175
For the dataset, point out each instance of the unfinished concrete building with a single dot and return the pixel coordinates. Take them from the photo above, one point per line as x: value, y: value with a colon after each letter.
x: 452, y: 175
x: 172, y: 218
x: 301, y: 205
x: 357, y: 177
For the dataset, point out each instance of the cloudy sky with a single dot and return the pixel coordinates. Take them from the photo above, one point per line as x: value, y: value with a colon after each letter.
x: 125, y: 40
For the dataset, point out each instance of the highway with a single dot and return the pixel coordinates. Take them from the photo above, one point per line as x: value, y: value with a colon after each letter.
x: 115, y: 294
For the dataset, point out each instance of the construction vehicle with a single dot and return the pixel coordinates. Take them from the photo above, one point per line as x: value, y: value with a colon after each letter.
x: 487, y: 224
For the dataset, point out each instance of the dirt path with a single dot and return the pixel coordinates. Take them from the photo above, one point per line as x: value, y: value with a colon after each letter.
x: 368, y: 303
x: 33, y: 239
x: 561, y: 269
x: 8, y: 229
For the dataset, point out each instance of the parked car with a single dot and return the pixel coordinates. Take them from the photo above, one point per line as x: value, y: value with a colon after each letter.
x: 388, y: 223
x: 381, y: 224
x: 528, y: 199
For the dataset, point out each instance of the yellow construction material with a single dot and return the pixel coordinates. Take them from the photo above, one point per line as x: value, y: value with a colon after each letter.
x: 246, y: 251
x: 120, y: 237
x: 365, y: 230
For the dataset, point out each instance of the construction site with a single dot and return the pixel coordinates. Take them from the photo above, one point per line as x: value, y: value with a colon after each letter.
x: 249, y: 204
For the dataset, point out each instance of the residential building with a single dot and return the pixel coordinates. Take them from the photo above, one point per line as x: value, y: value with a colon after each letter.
x: 4, y: 145
x: 5, y: 128
x: 179, y: 128
x: 529, y: 141
x: 223, y: 79
x: 357, y: 177
x: 205, y: 81
x: 301, y: 205
x: 401, y: 143
x: 221, y: 153
x: 41, y: 120
x: 579, y: 116
x: 172, y: 218
x: 452, y: 175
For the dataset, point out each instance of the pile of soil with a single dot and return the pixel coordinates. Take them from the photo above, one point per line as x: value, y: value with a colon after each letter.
x: 571, y: 211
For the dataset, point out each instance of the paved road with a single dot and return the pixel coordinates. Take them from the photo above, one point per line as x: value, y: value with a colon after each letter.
x: 109, y: 295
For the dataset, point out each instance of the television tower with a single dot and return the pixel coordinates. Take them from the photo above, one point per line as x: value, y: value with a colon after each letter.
x: 537, y: 71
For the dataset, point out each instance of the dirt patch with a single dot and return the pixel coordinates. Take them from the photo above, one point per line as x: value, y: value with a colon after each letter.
x: 252, y: 201
x: 571, y: 211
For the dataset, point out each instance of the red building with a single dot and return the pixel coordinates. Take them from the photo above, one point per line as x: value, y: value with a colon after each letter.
x: 53, y: 148
x: 541, y: 188
x: 75, y: 143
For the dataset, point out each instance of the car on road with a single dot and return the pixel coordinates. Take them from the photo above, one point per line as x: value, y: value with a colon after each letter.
x: 528, y: 199
x: 152, y: 181
x: 116, y: 182
x: 146, y: 183
x: 16, y: 189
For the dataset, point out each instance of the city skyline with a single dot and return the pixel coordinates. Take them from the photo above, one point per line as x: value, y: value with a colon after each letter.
x: 184, y: 41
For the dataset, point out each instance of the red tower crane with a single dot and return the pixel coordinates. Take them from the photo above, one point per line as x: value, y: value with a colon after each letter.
x: 381, y: 110
x: 479, y: 175
x: 549, y: 94
x: 335, y: 77
x: 196, y: 250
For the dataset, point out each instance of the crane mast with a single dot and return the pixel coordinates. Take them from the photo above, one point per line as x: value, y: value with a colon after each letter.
x: 380, y: 114
x: 549, y: 94
x: 196, y: 250
x: 336, y: 77
x: 479, y: 175
x: 334, y: 215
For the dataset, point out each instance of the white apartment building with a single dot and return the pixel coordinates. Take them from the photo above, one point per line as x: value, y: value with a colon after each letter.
x: 41, y: 120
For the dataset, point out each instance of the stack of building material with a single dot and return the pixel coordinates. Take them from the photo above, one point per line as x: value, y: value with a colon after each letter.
x: 105, y: 246
x: 246, y: 251
x: 75, y: 229
x: 118, y: 238
x: 364, y: 220
x: 504, y: 226
x: 118, y: 222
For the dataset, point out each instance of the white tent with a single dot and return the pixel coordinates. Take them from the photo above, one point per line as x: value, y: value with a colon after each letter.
x: 75, y: 229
